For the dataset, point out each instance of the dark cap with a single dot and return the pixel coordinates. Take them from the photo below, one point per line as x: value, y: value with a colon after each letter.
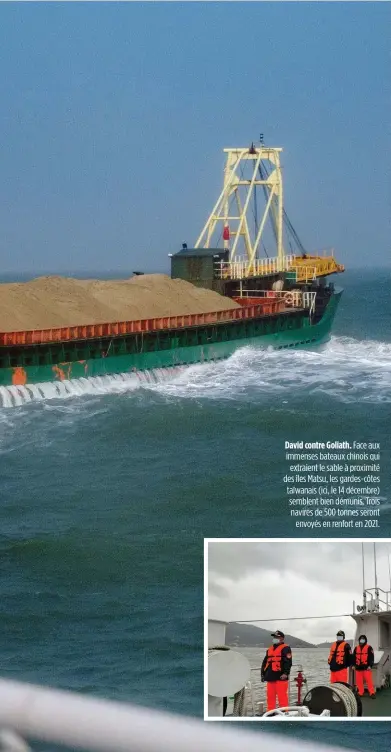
x: 277, y: 633
x: 341, y: 632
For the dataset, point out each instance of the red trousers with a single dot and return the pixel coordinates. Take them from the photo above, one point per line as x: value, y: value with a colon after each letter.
x: 361, y: 678
x: 339, y: 676
x: 277, y: 690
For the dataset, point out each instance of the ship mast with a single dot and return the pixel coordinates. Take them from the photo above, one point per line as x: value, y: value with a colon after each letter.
x: 230, y: 220
x: 375, y: 563
x: 230, y: 215
x: 363, y: 578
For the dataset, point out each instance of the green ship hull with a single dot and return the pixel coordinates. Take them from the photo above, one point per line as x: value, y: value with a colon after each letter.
x: 63, y: 361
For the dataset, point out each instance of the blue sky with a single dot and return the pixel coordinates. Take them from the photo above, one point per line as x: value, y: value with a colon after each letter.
x: 114, y: 116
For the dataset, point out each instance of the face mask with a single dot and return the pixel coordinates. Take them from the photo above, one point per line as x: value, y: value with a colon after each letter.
x: 339, y: 638
x: 275, y: 640
x: 362, y: 642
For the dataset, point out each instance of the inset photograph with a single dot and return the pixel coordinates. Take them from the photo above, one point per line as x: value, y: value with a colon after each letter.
x: 297, y: 628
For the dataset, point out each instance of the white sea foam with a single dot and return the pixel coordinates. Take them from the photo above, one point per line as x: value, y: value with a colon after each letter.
x: 346, y: 370
x: 14, y: 396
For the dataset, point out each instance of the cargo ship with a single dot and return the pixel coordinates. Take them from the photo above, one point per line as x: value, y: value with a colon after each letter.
x: 284, y: 300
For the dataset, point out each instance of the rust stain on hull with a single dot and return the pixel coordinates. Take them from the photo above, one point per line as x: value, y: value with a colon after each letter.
x: 63, y: 371
x: 19, y: 376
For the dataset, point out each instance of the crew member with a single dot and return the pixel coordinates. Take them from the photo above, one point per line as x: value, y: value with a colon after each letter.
x: 363, y: 660
x: 275, y: 670
x: 340, y: 659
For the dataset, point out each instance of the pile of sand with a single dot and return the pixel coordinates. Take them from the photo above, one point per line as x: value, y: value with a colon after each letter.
x: 48, y: 302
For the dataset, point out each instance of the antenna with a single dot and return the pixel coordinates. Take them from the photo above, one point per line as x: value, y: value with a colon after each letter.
x: 374, y: 558
x: 363, y: 577
x: 389, y: 568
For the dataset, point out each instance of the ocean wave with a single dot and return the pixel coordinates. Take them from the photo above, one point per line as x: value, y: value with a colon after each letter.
x: 346, y: 369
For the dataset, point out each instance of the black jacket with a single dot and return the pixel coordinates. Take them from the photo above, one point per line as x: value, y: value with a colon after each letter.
x: 370, y: 660
x: 267, y: 674
x: 347, y: 658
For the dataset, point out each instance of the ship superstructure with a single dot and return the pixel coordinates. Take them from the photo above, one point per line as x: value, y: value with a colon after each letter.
x: 248, y: 246
x: 242, y: 220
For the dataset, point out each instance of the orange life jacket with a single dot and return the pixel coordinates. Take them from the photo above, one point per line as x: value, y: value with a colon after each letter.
x: 362, y: 655
x: 339, y: 649
x: 274, y: 656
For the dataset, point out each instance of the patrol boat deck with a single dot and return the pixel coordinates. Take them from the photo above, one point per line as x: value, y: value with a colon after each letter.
x: 232, y: 676
x: 380, y: 707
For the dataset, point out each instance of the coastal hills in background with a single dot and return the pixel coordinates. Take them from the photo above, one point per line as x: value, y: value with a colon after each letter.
x: 249, y: 636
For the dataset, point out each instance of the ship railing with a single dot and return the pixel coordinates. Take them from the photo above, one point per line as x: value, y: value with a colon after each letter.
x: 291, y: 298
x: 377, y: 599
x: 309, y: 301
x: 78, y: 722
x: 257, y: 691
x: 246, y: 293
x: 307, y: 273
x: 309, y: 268
x: 240, y: 268
x: 324, y: 252
x: 303, y: 268
x: 122, y: 328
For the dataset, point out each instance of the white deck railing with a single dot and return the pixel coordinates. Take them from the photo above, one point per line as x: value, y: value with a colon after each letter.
x: 309, y: 299
x: 242, y: 267
x: 305, y: 269
x: 377, y: 599
x: 84, y: 723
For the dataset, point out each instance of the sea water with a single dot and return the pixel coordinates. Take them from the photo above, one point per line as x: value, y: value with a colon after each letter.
x: 109, y: 486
